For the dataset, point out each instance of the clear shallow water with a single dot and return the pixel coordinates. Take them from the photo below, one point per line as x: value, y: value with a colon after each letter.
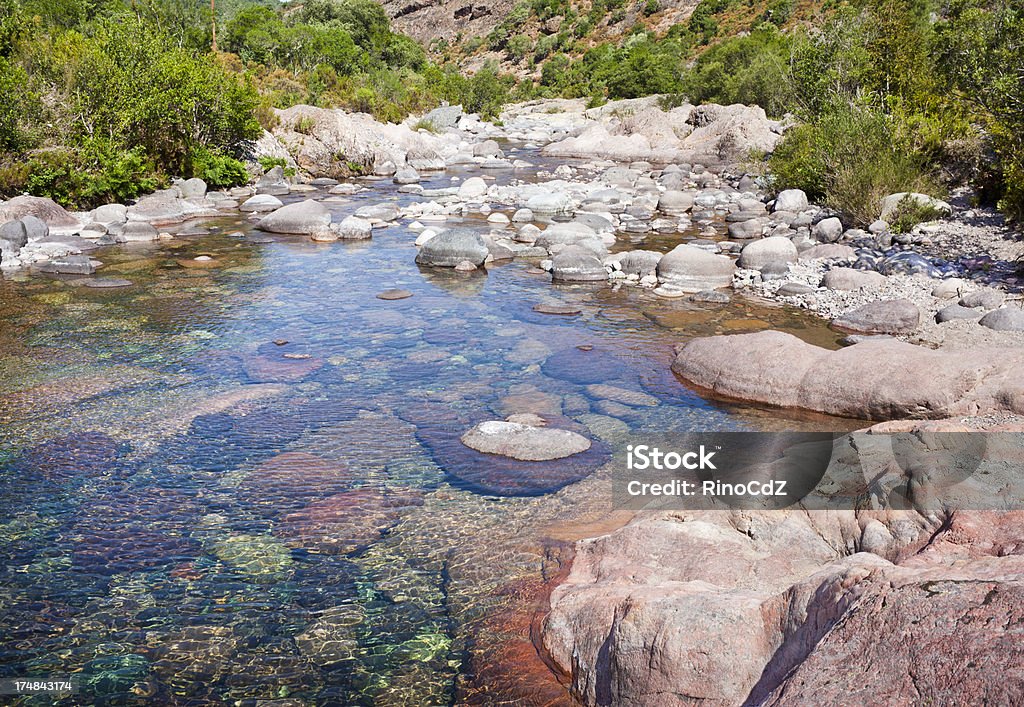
x: 244, y: 482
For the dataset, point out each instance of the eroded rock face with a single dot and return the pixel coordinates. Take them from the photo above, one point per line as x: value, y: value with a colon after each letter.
x: 324, y: 142
x: 708, y: 134
x: 788, y: 608
x: 873, y: 380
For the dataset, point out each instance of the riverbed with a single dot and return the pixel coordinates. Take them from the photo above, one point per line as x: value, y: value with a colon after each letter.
x: 239, y: 478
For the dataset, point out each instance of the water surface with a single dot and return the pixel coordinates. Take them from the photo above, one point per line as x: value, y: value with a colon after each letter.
x: 243, y: 481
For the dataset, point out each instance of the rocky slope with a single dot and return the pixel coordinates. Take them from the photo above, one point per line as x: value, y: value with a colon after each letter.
x: 427, y: 20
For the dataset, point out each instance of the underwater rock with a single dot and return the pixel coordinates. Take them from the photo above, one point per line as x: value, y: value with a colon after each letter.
x: 524, y: 442
x: 440, y: 429
x: 260, y: 558
x: 290, y: 481
x: 348, y: 521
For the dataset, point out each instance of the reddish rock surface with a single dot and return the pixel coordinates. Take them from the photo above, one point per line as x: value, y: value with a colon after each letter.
x: 873, y: 380
x: 348, y: 521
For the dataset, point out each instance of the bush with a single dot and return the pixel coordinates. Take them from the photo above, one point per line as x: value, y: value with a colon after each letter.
x: 850, y: 159
x: 95, y: 173
x: 979, y: 48
x: 910, y: 212
x: 218, y: 170
x: 754, y: 69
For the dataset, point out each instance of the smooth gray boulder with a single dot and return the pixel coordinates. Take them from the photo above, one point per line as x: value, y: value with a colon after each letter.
x: 15, y: 233
x: 302, y: 217
x: 110, y: 213
x: 675, y: 203
x: 828, y: 230
x: 261, y: 203
x: 46, y: 210
x: 771, y: 250
x: 577, y: 264
x: 636, y: 262
x: 487, y: 148
x: 898, y: 316
x: 745, y: 230
x: 406, y: 175
x: 792, y: 289
x: 565, y: 234
x: 956, y: 311
x: 693, y: 269
x: 851, y: 279
x: 354, y: 228
x: 137, y: 232
x: 524, y: 442
x: 449, y: 248
x: 550, y: 204
x: 793, y: 200
x: 194, y: 188
x: 1004, y: 319
x: 378, y: 212
x: 985, y: 298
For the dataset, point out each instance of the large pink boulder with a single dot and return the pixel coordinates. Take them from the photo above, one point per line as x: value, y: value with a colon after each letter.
x: 873, y: 380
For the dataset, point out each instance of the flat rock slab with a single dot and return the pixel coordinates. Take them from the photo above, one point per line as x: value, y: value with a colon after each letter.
x: 878, y: 379
x: 395, y: 294
x: 559, y: 309
x: 896, y: 316
x: 524, y: 442
x: 101, y: 283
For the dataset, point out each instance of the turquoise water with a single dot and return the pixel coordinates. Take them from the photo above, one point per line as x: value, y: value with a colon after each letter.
x: 244, y: 482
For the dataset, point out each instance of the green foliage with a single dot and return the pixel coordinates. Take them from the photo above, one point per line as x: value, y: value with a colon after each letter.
x: 518, y: 47
x: 909, y: 212
x: 778, y: 12
x: 651, y: 7
x: 218, y: 170
x: 97, y: 172
x: 850, y: 158
x: 980, y: 47
x: 703, y: 23
x: 754, y: 69
x: 17, y: 108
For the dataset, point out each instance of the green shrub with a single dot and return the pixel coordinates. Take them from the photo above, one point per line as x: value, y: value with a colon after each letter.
x: 218, y: 170
x: 96, y: 173
x: 910, y: 212
x: 754, y: 69
x: 850, y: 159
x: 518, y: 47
